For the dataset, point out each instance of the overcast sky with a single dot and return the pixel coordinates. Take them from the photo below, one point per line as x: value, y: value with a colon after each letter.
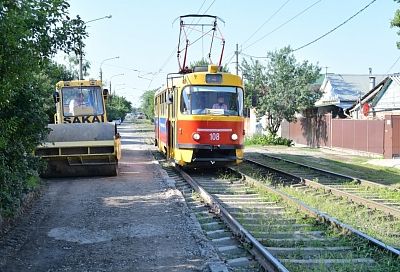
x: 143, y: 35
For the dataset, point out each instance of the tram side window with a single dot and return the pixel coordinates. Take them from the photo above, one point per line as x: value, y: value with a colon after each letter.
x: 185, y: 101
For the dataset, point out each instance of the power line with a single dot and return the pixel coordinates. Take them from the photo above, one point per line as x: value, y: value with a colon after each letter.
x: 269, y: 19
x: 209, y: 7
x: 277, y: 28
x: 330, y: 31
x: 285, y: 23
x: 254, y: 57
x: 201, y: 6
x: 391, y: 67
x: 174, y: 49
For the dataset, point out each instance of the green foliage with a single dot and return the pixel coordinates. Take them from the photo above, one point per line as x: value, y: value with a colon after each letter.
x: 282, y: 88
x: 73, y: 66
x: 53, y: 72
x: 255, y: 83
x: 117, y: 107
x: 147, y: 103
x: 32, y: 31
x: 204, y: 62
x: 269, y: 139
x: 396, y: 21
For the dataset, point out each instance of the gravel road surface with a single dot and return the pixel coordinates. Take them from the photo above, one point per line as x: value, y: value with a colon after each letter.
x: 133, y: 222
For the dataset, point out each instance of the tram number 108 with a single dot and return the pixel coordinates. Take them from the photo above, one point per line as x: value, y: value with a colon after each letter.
x: 214, y: 136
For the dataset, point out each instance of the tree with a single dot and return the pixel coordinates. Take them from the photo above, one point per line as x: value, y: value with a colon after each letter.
x: 147, y: 103
x: 73, y: 66
x: 255, y: 83
x: 53, y: 72
x: 205, y: 62
x: 117, y: 107
x: 396, y: 21
x: 282, y: 88
x: 32, y: 31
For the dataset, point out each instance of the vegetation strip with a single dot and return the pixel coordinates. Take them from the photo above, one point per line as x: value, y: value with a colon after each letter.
x: 321, y: 215
x: 361, y: 181
x: 357, y: 199
x: 266, y: 259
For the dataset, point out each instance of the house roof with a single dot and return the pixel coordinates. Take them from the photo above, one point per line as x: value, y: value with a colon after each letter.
x: 343, y: 89
x: 374, y: 92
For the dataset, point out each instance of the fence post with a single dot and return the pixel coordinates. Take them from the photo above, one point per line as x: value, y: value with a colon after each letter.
x: 388, y: 140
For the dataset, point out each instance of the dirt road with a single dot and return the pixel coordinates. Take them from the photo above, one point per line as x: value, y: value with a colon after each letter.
x: 132, y: 222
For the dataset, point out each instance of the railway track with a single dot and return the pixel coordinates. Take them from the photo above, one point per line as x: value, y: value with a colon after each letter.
x: 371, y: 194
x: 251, y: 218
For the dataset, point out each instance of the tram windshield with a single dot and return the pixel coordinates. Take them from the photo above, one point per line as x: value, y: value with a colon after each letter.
x: 214, y: 100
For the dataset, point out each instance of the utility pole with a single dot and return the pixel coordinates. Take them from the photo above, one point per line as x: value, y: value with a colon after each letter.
x: 237, y: 59
x: 80, y: 47
x: 80, y: 62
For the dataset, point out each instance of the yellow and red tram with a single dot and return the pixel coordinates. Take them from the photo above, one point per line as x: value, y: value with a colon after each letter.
x: 199, y: 118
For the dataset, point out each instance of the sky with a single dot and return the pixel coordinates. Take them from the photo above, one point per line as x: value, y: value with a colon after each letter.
x: 144, y: 36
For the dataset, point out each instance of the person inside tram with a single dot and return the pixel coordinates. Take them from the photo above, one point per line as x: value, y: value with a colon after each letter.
x: 220, y: 104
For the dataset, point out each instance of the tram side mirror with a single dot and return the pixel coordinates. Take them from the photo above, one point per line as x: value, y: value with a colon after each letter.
x: 170, y: 98
x: 56, y: 97
x: 105, y: 94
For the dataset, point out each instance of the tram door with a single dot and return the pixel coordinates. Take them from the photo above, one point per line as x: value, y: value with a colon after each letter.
x: 171, y: 114
x: 157, y: 122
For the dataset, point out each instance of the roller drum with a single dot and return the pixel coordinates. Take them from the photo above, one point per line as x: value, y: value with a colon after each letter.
x: 81, y: 132
x: 95, y: 165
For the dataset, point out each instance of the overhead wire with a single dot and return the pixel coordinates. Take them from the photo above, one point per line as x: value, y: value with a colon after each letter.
x: 266, y: 21
x: 232, y: 55
x: 391, y: 67
x: 324, y: 35
x: 335, y: 28
x: 275, y: 29
x: 283, y: 24
x: 174, y: 49
x: 254, y: 57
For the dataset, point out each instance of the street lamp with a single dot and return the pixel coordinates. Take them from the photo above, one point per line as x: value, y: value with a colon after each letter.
x: 111, y: 78
x: 101, y: 71
x: 80, y: 46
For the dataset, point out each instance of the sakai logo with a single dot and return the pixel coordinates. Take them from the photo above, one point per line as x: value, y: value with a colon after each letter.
x: 84, y: 119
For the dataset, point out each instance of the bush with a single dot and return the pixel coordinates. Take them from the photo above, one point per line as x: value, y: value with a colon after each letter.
x: 33, y: 31
x: 270, y: 139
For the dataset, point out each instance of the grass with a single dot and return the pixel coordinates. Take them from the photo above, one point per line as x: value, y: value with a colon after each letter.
x: 357, y: 216
x: 340, y: 238
x: 356, y: 167
x: 370, y: 222
x: 361, y: 248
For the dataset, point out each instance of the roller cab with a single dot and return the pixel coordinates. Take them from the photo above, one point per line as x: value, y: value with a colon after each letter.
x: 81, y: 142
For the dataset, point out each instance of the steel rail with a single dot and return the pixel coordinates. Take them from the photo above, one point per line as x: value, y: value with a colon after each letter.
x: 357, y: 199
x: 361, y: 181
x: 263, y: 256
x: 315, y: 213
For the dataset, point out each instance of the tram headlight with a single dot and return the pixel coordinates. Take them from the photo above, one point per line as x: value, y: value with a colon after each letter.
x: 196, y: 136
x: 234, y: 137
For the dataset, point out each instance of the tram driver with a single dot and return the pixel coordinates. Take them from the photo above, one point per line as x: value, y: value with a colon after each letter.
x: 220, y: 104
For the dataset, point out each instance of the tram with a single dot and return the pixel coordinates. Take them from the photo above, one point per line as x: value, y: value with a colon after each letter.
x: 199, y: 118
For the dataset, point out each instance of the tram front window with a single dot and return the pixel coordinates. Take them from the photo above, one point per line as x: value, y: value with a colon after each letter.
x: 214, y: 100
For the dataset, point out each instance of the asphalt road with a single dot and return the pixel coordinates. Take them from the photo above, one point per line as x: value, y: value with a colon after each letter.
x: 132, y: 222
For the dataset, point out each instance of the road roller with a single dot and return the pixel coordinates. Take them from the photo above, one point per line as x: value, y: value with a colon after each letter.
x: 81, y: 142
